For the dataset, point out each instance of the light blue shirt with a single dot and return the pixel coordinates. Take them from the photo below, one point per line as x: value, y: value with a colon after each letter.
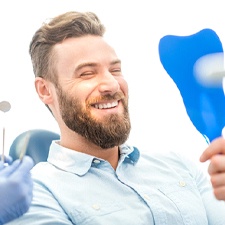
x: 145, y: 189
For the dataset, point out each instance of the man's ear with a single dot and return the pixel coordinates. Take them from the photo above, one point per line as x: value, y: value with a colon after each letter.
x: 43, y: 89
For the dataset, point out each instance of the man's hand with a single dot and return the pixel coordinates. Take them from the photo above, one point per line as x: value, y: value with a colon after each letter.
x: 216, y: 154
x: 16, y: 188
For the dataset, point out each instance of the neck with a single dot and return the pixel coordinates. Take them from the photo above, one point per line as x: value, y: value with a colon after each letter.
x: 80, y: 144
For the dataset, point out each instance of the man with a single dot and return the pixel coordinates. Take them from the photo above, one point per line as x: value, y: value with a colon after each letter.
x: 92, y: 176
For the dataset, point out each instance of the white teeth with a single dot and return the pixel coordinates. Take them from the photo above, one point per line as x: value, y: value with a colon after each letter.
x: 114, y: 104
x: 106, y: 105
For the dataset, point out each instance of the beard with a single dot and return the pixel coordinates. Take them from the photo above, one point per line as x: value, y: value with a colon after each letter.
x: 112, y: 130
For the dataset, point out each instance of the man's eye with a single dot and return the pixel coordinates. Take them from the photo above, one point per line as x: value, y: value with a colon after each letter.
x: 86, y: 74
x: 116, y: 72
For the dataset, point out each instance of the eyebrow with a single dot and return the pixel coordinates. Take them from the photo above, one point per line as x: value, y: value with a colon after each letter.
x: 92, y: 64
x: 117, y: 61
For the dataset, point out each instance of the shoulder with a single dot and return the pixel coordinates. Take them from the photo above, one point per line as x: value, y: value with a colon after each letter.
x: 164, y: 156
x: 170, y: 160
x: 43, y: 171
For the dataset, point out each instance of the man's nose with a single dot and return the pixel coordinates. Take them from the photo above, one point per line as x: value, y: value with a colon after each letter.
x: 108, y: 84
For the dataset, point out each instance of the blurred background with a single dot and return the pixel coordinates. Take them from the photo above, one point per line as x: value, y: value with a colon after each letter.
x: 134, y: 28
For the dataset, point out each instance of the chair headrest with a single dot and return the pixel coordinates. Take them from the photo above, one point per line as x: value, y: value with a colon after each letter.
x: 37, y: 146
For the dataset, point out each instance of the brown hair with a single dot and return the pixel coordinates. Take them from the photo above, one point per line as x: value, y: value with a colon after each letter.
x: 67, y: 25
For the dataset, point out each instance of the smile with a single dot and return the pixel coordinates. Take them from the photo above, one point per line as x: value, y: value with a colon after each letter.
x: 106, y: 105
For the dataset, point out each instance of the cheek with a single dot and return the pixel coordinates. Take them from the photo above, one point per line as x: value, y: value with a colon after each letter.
x: 82, y: 93
x: 80, y: 90
x: 123, y: 86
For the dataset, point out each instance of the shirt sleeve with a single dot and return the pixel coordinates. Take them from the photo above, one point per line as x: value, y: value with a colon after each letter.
x: 45, y: 210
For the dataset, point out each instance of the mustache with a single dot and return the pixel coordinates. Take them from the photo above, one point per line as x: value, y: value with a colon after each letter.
x: 117, y: 96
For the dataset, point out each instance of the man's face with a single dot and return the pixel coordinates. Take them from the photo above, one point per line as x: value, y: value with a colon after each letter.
x: 92, y: 93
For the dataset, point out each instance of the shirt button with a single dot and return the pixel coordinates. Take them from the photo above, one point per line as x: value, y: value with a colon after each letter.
x: 96, y: 161
x: 182, y: 183
x: 146, y: 197
x: 96, y: 206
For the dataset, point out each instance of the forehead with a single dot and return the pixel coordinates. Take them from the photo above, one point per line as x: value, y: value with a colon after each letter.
x: 84, y: 48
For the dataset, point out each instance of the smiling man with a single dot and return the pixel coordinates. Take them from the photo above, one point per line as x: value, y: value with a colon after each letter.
x: 92, y: 176
x: 88, y: 97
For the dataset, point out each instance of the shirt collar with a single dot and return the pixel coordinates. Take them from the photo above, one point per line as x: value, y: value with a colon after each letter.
x: 129, y: 153
x: 79, y: 163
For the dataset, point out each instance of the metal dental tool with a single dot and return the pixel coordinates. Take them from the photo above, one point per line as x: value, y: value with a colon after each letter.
x: 4, y: 107
x: 23, y: 148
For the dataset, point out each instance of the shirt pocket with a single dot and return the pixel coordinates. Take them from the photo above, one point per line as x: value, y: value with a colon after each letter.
x: 186, y: 197
x: 93, y: 213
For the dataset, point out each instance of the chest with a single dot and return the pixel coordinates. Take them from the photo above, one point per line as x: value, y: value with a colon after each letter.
x: 130, y: 195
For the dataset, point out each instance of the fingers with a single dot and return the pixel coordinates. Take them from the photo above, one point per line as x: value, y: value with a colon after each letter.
x: 25, y: 166
x: 8, y: 170
x: 217, y: 164
x: 218, y: 183
x: 216, y: 170
x: 7, y: 159
x: 218, y: 180
x: 18, y: 168
x: 217, y: 146
x: 1, y: 165
x: 21, y: 176
x: 220, y: 193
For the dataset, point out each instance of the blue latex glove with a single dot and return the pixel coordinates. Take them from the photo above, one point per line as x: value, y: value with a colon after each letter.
x: 205, y: 106
x: 7, y: 160
x: 15, y: 189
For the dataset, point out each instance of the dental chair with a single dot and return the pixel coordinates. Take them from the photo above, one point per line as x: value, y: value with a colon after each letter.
x: 36, y: 143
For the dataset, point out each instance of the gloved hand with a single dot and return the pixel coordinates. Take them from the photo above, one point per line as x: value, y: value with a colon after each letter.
x: 7, y: 160
x: 16, y: 188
